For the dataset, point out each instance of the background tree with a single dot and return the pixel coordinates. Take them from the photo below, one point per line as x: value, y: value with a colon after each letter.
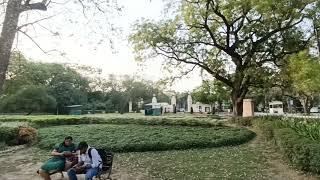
x: 211, y: 92
x: 66, y: 85
x: 29, y: 99
x: 303, y: 71
x: 239, y: 43
x: 15, y: 8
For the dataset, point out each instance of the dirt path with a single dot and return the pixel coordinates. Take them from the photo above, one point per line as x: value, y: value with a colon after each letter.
x: 21, y: 163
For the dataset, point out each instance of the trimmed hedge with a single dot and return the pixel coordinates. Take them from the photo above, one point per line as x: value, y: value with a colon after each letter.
x: 300, y: 151
x: 17, y: 135
x: 46, y: 121
x: 8, y: 134
x: 139, y: 138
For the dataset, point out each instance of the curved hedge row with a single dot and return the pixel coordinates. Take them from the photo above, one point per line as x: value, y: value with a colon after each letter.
x: 139, y: 138
x: 51, y: 120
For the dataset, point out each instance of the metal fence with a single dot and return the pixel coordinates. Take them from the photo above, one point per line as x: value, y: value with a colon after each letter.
x: 293, y: 115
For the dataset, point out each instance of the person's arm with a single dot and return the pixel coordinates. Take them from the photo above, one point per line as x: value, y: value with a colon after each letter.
x: 56, y: 153
x: 80, y: 162
x: 96, y: 160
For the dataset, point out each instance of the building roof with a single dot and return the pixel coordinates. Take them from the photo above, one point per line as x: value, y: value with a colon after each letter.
x: 275, y: 102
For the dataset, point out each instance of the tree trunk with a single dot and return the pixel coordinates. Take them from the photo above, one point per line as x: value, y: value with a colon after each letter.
x: 305, y: 101
x: 29, y: 112
x: 316, y: 29
x: 237, y: 103
x: 7, y: 36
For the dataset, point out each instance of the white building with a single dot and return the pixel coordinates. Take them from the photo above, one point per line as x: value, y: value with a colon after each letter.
x: 198, y: 107
x: 166, y: 107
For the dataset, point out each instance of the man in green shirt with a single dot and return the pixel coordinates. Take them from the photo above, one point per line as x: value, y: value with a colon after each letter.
x: 60, y: 153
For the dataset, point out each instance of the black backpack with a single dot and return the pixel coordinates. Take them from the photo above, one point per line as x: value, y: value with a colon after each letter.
x: 106, y: 157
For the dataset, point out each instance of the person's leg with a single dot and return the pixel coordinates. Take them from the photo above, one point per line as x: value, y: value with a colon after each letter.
x: 53, y: 165
x: 72, y: 174
x: 45, y: 175
x: 91, y: 173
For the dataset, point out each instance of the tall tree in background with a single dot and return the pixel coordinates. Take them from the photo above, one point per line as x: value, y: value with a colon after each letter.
x: 15, y: 8
x: 65, y: 84
x: 303, y: 72
x: 239, y: 42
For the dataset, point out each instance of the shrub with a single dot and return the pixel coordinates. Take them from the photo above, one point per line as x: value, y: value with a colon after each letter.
x: 300, y: 151
x: 8, y: 134
x: 27, y: 135
x: 17, y: 135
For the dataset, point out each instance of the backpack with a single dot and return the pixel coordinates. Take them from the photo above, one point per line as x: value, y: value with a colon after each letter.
x: 106, y: 157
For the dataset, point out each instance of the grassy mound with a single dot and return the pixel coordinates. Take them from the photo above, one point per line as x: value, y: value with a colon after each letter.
x: 139, y: 138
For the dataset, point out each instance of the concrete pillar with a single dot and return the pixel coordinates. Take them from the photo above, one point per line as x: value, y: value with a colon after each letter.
x: 130, y: 106
x: 248, y: 108
x: 189, y: 102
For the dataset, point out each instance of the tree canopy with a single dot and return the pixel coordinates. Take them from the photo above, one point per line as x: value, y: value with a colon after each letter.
x: 240, y: 43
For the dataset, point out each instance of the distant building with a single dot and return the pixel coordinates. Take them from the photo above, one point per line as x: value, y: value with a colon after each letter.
x: 276, y: 107
x: 198, y: 107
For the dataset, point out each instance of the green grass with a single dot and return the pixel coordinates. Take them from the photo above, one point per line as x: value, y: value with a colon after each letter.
x: 240, y: 162
x: 135, y: 138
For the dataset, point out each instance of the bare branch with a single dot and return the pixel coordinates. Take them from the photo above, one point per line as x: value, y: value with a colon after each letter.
x: 34, y: 22
x: 83, y: 8
x: 33, y: 41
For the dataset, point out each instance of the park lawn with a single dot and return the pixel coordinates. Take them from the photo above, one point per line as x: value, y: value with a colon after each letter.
x: 233, y: 162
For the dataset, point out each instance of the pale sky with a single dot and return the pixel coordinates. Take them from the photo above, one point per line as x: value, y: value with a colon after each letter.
x: 84, y: 40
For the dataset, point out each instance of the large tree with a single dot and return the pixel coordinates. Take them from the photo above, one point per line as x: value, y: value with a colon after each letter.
x: 9, y: 28
x: 13, y: 9
x: 238, y: 42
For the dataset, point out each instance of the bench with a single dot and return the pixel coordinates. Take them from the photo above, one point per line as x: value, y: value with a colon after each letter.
x: 106, y: 169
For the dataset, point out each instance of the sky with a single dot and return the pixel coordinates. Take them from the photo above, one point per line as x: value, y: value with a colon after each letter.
x: 71, y: 36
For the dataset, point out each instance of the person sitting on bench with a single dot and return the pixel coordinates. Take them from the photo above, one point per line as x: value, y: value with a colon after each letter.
x: 60, y: 153
x: 89, y: 163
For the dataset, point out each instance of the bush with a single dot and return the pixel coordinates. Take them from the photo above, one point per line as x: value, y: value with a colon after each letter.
x: 300, y: 151
x: 27, y: 135
x: 8, y: 134
x: 297, y: 148
x: 17, y: 135
x: 133, y: 138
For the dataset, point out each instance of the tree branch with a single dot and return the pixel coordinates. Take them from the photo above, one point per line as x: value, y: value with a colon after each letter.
x: 34, y: 6
x: 33, y: 41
